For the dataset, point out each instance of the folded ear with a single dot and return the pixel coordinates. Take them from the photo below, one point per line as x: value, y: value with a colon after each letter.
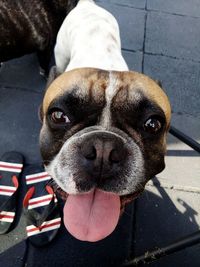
x: 53, y: 74
x: 159, y: 83
x: 40, y: 114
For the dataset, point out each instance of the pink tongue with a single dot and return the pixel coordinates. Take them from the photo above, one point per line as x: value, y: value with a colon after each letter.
x: 91, y: 216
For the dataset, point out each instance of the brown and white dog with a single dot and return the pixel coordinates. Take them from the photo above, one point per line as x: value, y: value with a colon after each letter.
x: 31, y: 26
x: 104, y: 127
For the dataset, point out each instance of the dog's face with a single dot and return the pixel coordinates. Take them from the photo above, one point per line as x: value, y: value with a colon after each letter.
x: 104, y: 131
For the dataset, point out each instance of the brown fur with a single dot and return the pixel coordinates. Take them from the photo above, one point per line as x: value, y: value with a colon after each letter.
x: 130, y: 80
x: 31, y: 26
x: 82, y: 95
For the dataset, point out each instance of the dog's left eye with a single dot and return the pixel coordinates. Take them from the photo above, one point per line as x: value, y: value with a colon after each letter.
x: 59, y: 116
x: 152, y: 125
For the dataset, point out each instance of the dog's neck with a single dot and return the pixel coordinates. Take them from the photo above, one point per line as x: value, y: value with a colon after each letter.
x: 95, y: 42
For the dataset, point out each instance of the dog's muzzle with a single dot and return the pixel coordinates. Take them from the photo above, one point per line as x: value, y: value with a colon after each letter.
x: 97, y: 169
x: 95, y: 158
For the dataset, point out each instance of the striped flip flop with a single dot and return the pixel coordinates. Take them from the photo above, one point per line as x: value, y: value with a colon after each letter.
x: 40, y: 208
x: 10, y: 168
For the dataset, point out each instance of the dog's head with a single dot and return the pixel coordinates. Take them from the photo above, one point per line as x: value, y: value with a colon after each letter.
x: 103, y: 137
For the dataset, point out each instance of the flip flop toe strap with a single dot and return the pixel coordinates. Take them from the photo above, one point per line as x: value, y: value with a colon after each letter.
x: 48, y: 220
x: 7, y: 208
x: 37, y: 219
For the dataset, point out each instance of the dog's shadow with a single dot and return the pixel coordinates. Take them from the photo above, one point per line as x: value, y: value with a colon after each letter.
x: 162, y: 216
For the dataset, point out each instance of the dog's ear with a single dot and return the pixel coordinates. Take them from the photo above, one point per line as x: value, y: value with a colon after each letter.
x: 159, y: 83
x: 53, y: 74
x: 40, y: 114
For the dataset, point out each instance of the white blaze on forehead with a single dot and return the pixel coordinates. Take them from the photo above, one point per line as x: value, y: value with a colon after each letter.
x: 110, y: 92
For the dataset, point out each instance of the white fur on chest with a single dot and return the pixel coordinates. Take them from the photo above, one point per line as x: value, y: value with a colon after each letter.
x: 89, y: 37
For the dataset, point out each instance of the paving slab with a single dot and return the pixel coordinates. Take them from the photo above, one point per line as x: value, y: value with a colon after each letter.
x: 133, y: 60
x: 130, y: 3
x: 182, y: 7
x: 15, y: 238
x: 182, y: 171
x: 131, y: 23
x: 22, y: 72
x: 172, y: 35
x: 19, y: 121
x: 21, y: 89
x: 163, y: 216
x: 189, y: 124
x: 15, y: 256
x: 180, y: 80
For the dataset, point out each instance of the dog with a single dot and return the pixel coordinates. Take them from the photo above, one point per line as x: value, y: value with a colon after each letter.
x: 104, y: 127
x: 27, y: 27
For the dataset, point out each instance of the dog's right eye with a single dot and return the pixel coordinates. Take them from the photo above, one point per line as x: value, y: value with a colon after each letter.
x: 59, y: 117
x: 153, y: 125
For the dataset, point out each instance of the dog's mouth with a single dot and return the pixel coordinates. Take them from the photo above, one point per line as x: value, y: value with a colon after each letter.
x: 94, y: 215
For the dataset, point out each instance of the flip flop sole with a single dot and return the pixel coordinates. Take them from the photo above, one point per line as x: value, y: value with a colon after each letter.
x: 11, y: 164
x: 41, y: 208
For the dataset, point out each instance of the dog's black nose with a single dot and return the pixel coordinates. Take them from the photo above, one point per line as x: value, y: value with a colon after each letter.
x: 105, y: 152
x: 102, y: 153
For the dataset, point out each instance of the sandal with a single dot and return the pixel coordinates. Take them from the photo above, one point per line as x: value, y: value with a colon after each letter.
x: 10, y: 168
x: 41, y: 209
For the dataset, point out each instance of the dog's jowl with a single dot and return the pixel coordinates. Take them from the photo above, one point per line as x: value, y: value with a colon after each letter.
x: 104, y: 128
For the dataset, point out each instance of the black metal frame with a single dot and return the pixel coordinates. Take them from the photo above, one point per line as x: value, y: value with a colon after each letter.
x: 185, y: 242
x: 185, y: 138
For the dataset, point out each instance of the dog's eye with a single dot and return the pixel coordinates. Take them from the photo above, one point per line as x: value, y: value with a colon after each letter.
x: 58, y: 116
x: 152, y: 125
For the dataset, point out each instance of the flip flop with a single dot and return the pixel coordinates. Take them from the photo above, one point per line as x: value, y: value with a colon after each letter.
x: 40, y: 208
x: 10, y: 168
